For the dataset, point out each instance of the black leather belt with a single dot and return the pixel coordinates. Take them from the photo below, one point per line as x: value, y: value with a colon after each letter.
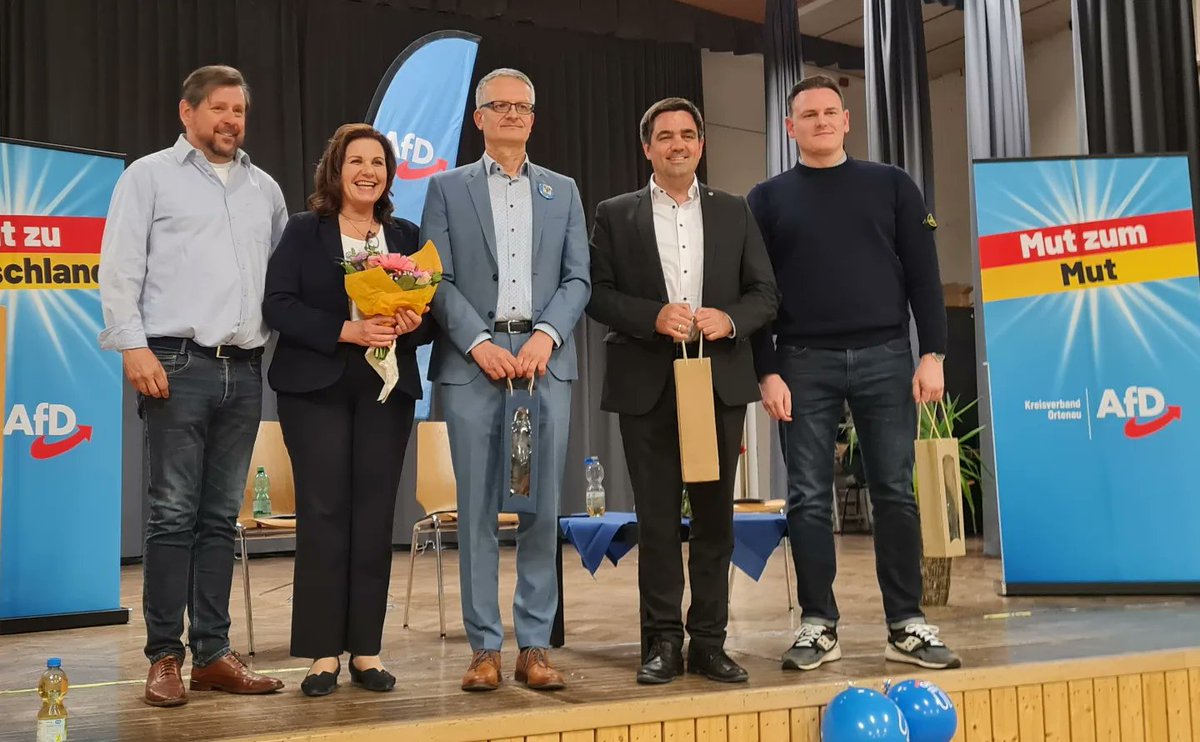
x: 514, y: 326
x: 188, y: 345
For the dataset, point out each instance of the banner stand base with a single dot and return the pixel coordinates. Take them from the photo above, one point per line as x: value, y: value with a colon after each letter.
x: 1097, y: 588
x: 57, y: 622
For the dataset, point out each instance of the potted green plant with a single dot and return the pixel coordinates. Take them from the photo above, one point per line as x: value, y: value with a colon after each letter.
x: 935, y: 571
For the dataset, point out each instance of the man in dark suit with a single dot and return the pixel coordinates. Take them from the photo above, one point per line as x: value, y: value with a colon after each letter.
x: 671, y: 262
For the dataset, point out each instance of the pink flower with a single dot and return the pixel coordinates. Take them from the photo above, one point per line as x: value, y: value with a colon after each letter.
x: 397, y: 263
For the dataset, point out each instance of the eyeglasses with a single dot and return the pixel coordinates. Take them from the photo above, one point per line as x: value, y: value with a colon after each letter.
x: 502, y: 107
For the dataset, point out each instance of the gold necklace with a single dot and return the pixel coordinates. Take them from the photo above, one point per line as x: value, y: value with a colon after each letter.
x: 370, y: 222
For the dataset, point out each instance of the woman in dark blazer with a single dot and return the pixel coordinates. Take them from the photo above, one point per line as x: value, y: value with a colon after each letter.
x: 347, y: 448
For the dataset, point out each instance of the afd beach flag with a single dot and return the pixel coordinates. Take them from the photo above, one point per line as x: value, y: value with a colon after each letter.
x: 419, y: 107
x: 1091, y: 305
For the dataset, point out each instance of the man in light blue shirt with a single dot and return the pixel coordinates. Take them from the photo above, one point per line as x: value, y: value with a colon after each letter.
x: 514, y: 284
x: 182, y: 268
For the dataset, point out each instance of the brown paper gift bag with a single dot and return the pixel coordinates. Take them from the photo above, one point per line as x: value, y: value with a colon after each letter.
x: 939, y: 492
x: 697, y: 418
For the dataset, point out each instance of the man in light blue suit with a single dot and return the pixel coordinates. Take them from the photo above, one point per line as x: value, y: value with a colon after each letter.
x: 515, y: 281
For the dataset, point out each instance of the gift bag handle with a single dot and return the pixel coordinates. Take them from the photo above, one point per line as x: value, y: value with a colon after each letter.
x: 510, y: 386
x: 699, y: 353
x: 930, y: 410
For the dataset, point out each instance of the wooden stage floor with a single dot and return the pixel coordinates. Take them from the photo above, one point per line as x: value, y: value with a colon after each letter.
x: 106, y: 665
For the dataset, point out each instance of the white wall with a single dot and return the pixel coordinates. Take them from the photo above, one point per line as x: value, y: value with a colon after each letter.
x: 1050, y: 83
x: 735, y: 118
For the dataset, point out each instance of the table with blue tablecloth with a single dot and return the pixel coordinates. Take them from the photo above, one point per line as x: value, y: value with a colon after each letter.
x: 614, y: 534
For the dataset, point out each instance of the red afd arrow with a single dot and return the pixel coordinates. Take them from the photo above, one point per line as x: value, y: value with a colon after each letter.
x: 404, y: 172
x: 1134, y: 429
x: 41, y: 450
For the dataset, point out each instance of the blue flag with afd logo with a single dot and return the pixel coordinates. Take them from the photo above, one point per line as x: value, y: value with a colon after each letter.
x: 419, y: 107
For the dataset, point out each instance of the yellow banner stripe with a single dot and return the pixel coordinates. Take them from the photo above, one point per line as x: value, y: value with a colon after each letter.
x: 1077, y: 272
x: 42, y: 271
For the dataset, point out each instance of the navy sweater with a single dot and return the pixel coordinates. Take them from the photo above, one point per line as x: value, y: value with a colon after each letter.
x: 852, y: 248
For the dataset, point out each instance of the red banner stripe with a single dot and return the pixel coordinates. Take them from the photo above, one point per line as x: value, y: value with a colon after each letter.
x: 52, y: 234
x: 1087, y: 239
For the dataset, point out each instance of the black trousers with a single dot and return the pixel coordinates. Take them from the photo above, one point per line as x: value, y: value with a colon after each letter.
x: 347, y: 453
x: 652, y: 453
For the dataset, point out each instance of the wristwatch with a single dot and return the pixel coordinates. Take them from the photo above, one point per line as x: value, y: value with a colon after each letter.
x: 939, y: 357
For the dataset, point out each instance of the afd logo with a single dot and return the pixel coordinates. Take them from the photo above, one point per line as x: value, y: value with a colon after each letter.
x: 415, y: 156
x: 48, y: 420
x: 1143, y: 408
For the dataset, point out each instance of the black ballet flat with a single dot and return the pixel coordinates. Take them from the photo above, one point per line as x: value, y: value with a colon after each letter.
x: 380, y: 681
x: 322, y: 683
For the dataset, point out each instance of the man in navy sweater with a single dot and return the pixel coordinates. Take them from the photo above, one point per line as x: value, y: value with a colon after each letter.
x: 851, y: 243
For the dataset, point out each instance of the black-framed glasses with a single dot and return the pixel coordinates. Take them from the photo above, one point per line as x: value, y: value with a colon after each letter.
x: 503, y: 107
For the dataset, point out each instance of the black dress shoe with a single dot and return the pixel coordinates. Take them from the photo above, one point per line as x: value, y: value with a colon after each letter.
x: 714, y: 664
x: 321, y: 683
x: 379, y: 681
x: 663, y: 663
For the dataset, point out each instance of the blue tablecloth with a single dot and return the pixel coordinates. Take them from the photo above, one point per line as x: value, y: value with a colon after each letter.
x: 755, y: 536
x: 594, y: 538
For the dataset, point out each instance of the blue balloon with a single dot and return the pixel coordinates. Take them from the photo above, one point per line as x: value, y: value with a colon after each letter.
x: 929, y: 711
x: 860, y: 714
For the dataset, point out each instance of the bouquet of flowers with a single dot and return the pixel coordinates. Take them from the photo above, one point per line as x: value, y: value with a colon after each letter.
x: 382, y: 283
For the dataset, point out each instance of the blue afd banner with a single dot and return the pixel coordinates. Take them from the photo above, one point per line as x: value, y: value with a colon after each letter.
x: 1091, y: 302
x: 419, y: 107
x: 60, y: 528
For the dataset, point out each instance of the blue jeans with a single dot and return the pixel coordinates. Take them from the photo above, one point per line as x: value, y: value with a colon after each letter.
x: 198, y: 445
x: 877, y: 384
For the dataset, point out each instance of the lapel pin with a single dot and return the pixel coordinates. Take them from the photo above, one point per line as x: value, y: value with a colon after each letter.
x: 546, y: 191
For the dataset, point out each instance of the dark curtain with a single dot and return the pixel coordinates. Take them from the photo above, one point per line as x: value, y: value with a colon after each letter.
x: 898, y: 123
x: 783, y: 67
x: 105, y: 74
x: 997, y: 126
x: 1137, y: 69
x: 112, y: 81
x: 660, y: 20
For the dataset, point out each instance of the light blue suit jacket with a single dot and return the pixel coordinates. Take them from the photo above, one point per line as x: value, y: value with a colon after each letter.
x: 458, y: 218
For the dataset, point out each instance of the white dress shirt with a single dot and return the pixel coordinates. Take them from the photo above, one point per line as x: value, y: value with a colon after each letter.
x: 184, y: 253
x: 679, y: 231
x: 511, y: 199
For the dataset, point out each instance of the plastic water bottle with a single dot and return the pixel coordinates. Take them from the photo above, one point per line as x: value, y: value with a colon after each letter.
x: 262, y: 494
x: 594, y: 498
x: 52, y: 719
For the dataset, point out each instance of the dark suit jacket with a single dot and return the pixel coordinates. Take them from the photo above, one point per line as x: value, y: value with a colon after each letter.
x: 628, y: 291
x: 306, y: 303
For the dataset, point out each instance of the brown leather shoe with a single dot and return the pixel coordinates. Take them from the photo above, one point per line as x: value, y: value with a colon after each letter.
x: 483, y: 672
x: 534, y: 670
x: 230, y: 674
x: 164, y: 684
